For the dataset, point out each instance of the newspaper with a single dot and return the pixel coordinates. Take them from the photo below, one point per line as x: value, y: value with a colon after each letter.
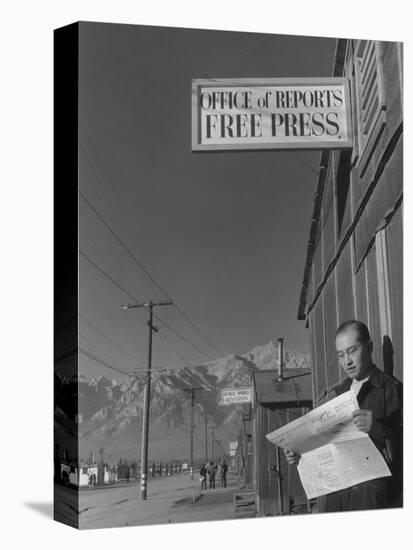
x: 335, y: 454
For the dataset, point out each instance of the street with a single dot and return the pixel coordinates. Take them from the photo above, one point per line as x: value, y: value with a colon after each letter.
x: 170, y: 500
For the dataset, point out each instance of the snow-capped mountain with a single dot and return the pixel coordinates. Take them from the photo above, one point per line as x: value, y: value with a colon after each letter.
x: 110, y: 411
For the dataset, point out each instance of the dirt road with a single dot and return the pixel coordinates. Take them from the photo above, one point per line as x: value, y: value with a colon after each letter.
x: 174, y: 499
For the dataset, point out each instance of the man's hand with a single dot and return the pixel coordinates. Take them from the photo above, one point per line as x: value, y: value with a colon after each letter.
x: 292, y: 458
x: 363, y: 419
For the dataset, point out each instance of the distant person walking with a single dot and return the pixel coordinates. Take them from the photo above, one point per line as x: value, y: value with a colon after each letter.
x: 203, y: 474
x: 224, y: 470
x: 212, y: 470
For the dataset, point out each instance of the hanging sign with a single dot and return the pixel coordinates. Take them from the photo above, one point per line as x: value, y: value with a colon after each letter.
x: 270, y: 113
x: 233, y: 396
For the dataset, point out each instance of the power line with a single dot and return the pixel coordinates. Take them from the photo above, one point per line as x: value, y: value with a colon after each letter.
x: 183, y: 338
x: 109, y: 339
x: 114, y: 202
x: 62, y: 346
x: 238, y: 52
x: 65, y: 324
x: 66, y: 355
x: 97, y: 348
x: 304, y: 163
x: 199, y: 331
x: 100, y: 359
x: 188, y: 341
x: 140, y: 264
x: 156, y: 316
x: 142, y: 267
x: 123, y: 245
x: 95, y: 265
x: 102, y: 362
x: 75, y: 351
x: 109, y: 366
x: 244, y: 49
x: 174, y: 349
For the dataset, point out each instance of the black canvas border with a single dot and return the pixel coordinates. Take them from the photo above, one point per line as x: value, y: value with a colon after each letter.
x: 65, y: 247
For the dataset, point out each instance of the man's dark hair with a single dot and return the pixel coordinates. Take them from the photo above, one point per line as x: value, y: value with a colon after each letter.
x: 361, y: 328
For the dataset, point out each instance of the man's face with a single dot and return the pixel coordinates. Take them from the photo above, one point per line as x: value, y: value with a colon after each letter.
x: 353, y: 356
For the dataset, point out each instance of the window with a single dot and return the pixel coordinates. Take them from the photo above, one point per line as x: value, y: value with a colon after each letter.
x: 370, y: 99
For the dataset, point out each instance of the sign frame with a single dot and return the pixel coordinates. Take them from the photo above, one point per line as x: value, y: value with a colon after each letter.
x: 197, y: 84
x: 244, y: 388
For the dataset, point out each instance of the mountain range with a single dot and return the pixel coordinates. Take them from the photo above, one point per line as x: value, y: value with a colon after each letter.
x: 110, y: 411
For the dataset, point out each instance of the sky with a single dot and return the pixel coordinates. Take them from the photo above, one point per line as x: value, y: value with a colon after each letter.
x: 221, y: 234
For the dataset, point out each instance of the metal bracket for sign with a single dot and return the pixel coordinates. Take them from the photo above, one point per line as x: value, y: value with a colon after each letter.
x: 307, y: 143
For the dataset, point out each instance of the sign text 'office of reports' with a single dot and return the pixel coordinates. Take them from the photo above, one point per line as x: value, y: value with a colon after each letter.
x: 305, y: 113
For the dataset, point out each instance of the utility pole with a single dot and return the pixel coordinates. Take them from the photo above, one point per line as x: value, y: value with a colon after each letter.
x: 245, y: 419
x: 206, y: 437
x: 217, y: 450
x: 278, y: 457
x: 147, y: 395
x: 280, y: 358
x: 192, y: 390
x: 279, y: 478
x: 213, y: 443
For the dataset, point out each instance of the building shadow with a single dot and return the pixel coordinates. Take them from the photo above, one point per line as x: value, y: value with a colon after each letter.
x: 42, y: 508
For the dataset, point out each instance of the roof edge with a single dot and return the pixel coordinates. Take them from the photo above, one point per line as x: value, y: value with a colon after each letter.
x: 338, y: 68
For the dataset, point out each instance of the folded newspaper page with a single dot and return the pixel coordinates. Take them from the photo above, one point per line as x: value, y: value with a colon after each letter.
x: 335, y: 454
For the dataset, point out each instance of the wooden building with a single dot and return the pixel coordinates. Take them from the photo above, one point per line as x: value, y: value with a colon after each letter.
x: 275, y: 403
x: 354, y: 264
x: 243, y: 458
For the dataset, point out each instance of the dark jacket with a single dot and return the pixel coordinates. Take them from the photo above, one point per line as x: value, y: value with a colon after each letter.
x: 382, y: 395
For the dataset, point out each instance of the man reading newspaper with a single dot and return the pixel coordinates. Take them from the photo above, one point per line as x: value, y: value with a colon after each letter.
x: 379, y: 414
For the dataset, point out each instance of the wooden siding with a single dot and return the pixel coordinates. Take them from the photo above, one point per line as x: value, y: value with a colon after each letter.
x: 361, y: 289
x: 330, y: 322
x: 373, y: 305
x: 320, y: 357
x: 394, y: 236
x: 329, y: 241
x: 342, y: 186
x: 345, y: 293
x: 362, y: 203
x: 266, y: 477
